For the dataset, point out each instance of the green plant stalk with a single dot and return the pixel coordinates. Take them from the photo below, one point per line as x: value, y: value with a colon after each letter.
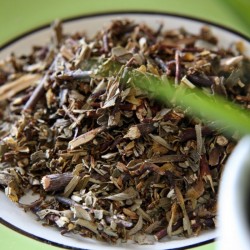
x: 217, y: 111
x: 239, y: 8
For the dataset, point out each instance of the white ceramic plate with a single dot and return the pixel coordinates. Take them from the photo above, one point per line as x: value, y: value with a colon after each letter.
x: 26, y: 223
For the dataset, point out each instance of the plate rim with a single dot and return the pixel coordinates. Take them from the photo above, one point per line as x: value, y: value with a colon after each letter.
x: 111, y: 13
x: 38, y: 28
x: 56, y: 244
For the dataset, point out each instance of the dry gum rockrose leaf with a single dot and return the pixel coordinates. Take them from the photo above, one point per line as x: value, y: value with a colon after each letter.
x: 107, y: 159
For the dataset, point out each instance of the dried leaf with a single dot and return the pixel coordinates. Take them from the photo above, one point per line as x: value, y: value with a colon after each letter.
x: 84, y: 138
x: 62, y: 221
x: 87, y: 224
x: 133, y: 133
x: 11, y: 191
x: 205, y: 172
x: 214, y: 156
x: 160, y: 140
x: 195, y: 191
x: 129, y: 193
x: 144, y: 239
x: 144, y: 215
x: 82, y: 213
x: 183, y: 208
x: 232, y: 61
x: 172, y: 219
x: 98, y: 214
x: 167, y: 158
x: 71, y: 185
x: 132, y: 215
x: 137, y: 227
x: 83, y: 53
x: 14, y: 87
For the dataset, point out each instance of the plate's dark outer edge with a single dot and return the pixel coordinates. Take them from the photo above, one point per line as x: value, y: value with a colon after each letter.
x: 231, y: 30
x: 5, y: 45
x: 52, y: 243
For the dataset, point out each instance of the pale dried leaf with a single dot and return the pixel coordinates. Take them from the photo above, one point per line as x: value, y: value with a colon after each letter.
x: 84, y: 138
x: 183, y: 208
x: 133, y: 133
x: 83, y: 53
x: 172, y: 219
x: 129, y: 193
x: 62, y: 221
x: 110, y: 232
x: 144, y: 239
x: 71, y: 185
x: 98, y: 214
x: 87, y: 224
x: 232, y: 61
x: 160, y: 140
x: 166, y: 158
x: 144, y: 215
x: 82, y: 213
x: 14, y: 87
x: 195, y: 191
x: 137, y: 227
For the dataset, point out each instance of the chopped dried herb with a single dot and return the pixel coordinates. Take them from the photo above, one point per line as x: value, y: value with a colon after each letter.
x: 118, y: 163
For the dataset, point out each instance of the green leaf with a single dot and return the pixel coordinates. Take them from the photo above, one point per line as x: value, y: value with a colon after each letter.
x: 240, y: 9
x: 220, y: 113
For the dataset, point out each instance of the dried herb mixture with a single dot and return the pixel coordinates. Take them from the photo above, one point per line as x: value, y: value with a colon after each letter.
x: 107, y: 159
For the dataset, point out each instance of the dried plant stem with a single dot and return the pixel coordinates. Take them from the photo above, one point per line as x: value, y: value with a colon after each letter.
x: 39, y: 90
x: 74, y: 75
x: 56, y: 182
x: 177, y: 69
x: 65, y: 201
x: 162, y: 65
x: 105, y: 42
x: 160, y: 234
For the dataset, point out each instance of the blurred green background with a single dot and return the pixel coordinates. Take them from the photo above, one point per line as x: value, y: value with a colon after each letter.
x: 17, y: 17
